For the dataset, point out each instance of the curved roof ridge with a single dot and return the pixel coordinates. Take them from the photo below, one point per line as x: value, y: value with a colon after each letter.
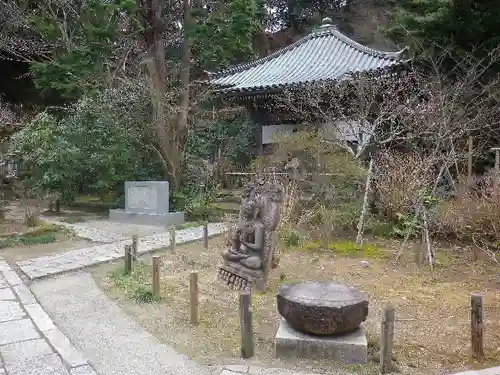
x: 333, y: 30
x: 322, y: 31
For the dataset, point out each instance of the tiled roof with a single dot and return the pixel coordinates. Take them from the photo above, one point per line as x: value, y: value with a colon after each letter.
x: 325, y: 54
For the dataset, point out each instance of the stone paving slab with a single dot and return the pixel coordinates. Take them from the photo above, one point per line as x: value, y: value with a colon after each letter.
x: 254, y: 370
x: 123, y: 230
x: 77, y: 259
x: 16, y: 331
x: 44, y: 365
x: 30, y: 343
x: 487, y: 371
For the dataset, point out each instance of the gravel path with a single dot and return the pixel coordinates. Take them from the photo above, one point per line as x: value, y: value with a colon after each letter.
x: 114, y: 343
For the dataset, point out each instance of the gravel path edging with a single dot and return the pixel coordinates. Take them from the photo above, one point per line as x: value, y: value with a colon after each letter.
x: 486, y: 371
x: 31, y: 325
x: 74, y: 260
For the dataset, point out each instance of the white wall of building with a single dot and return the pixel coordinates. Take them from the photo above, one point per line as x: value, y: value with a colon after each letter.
x: 270, y: 131
x: 352, y: 131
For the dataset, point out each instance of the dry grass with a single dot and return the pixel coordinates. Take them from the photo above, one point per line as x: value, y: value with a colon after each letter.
x: 432, y: 335
x: 399, y: 187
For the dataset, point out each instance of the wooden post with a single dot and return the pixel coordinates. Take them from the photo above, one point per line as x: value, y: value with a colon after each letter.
x: 193, y: 296
x: 418, y: 250
x: 386, y: 339
x: 135, y: 240
x: 361, y: 221
x: 476, y: 327
x: 172, y: 238
x: 128, y: 259
x: 246, y: 325
x: 469, y: 161
x: 156, y: 277
x: 205, y: 236
x: 497, y: 168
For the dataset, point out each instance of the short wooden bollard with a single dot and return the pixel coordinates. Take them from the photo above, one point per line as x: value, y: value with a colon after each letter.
x: 476, y: 325
x: 156, y: 277
x: 246, y: 325
x: 387, y: 339
x: 172, y: 238
x: 135, y: 241
x: 205, y: 236
x: 128, y: 259
x: 193, y: 297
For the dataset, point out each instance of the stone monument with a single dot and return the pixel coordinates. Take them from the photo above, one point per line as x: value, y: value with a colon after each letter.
x: 322, y: 320
x: 249, y: 255
x: 147, y: 202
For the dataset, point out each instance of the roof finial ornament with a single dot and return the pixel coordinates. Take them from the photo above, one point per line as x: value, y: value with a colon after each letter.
x: 327, y: 21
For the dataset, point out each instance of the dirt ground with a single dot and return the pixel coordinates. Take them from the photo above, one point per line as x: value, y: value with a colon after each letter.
x: 14, y: 224
x: 20, y: 253
x: 432, y: 332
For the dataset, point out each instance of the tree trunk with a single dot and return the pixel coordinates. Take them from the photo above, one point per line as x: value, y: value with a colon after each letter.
x: 364, y: 209
x: 157, y: 70
x: 151, y: 14
x: 183, y: 115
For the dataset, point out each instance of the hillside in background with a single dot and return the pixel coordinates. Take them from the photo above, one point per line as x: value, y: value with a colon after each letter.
x: 361, y: 20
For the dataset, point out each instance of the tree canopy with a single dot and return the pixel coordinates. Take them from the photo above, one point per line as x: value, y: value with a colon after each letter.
x: 127, y: 73
x: 448, y: 29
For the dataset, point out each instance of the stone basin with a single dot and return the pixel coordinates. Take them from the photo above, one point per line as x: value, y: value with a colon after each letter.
x: 322, y: 308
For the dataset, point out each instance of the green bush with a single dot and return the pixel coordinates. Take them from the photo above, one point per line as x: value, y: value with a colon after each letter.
x: 27, y: 240
x: 351, y: 249
x: 100, y: 142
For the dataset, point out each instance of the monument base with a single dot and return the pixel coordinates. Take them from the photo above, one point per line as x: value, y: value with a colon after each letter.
x: 349, y: 348
x: 165, y: 220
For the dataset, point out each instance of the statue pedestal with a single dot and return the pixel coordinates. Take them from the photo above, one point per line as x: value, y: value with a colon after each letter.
x: 239, y: 278
x: 349, y: 348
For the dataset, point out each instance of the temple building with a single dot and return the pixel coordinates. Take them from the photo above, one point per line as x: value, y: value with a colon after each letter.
x: 325, y: 55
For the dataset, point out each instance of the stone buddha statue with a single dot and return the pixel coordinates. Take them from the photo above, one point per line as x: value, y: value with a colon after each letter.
x: 249, y: 253
x: 247, y: 242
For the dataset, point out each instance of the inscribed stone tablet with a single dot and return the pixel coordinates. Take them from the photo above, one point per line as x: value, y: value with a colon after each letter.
x: 142, y: 198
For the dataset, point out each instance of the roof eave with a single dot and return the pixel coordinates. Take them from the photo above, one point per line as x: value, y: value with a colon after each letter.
x: 227, y: 91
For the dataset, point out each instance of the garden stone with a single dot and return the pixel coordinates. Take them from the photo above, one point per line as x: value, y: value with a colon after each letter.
x: 147, y: 202
x: 322, y: 321
x: 322, y: 308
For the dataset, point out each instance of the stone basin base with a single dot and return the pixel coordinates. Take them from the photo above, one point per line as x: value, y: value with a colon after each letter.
x: 349, y: 348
